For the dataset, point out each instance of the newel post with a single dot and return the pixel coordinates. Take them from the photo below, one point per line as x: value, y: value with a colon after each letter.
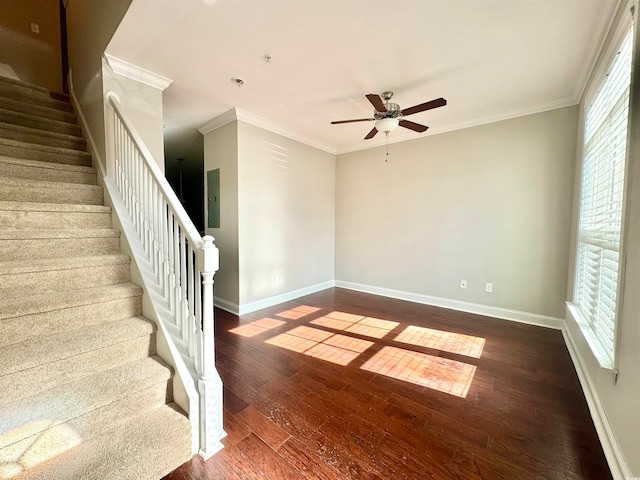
x: 209, y: 383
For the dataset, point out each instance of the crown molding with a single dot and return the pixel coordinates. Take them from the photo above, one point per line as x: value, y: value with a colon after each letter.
x: 136, y: 73
x: 257, y: 121
x: 236, y: 114
x: 219, y: 121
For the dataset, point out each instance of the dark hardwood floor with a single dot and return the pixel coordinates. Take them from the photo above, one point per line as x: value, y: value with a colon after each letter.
x: 345, y: 385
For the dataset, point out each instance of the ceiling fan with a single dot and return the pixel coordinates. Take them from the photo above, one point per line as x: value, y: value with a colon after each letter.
x: 389, y: 115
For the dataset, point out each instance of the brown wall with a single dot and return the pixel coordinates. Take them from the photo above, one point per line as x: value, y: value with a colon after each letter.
x: 36, y: 58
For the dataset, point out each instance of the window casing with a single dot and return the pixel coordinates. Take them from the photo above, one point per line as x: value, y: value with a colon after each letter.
x: 602, y: 199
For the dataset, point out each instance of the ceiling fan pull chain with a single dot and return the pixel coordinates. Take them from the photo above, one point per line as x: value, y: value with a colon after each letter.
x: 387, y: 147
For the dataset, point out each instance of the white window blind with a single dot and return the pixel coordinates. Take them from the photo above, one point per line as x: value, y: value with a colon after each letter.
x: 601, y: 204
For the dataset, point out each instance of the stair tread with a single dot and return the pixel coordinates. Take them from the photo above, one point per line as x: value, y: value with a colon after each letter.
x: 30, y: 116
x: 9, y: 88
x: 60, y: 111
x: 37, y: 353
x: 27, y: 303
x: 104, y: 353
x: 12, y: 267
x: 41, y: 234
x: 69, y: 400
x: 49, y: 165
x: 38, y: 131
x: 58, y: 320
x: 148, y: 448
x: 97, y: 421
x: 29, y: 183
x: 52, y: 207
x: 8, y: 82
x: 43, y: 148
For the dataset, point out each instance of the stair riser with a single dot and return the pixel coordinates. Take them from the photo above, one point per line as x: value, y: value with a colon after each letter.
x: 39, y: 110
x: 74, y: 143
x: 57, y: 248
x: 13, y: 219
x: 82, y: 159
x: 34, y: 96
x: 74, y: 278
x: 13, y: 330
x: 29, y: 172
x: 7, y: 116
x: 17, y: 193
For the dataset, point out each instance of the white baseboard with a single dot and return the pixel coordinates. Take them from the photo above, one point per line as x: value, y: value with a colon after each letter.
x: 486, y: 310
x: 223, y: 304
x: 271, y: 301
x: 617, y: 464
x: 84, y: 126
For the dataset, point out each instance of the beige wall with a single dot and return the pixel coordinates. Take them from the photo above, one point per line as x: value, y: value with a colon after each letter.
x: 620, y: 401
x: 90, y: 26
x: 277, y: 214
x: 286, y: 214
x: 485, y: 204
x: 35, y: 57
x: 221, y: 151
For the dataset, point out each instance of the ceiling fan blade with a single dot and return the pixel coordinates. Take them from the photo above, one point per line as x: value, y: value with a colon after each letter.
x: 351, y: 121
x: 377, y: 102
x: 416, y: 127
x: 371, y: 134
x: 438, y: 102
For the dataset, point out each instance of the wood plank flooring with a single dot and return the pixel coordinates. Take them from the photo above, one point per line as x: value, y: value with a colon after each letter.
x: 345, y: 385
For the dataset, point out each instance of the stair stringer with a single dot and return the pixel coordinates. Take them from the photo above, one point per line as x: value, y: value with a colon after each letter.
x: 154, y: 306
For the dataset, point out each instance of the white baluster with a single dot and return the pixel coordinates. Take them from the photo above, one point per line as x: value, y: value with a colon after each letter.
x: 184, y: 306
x: 190, y: 300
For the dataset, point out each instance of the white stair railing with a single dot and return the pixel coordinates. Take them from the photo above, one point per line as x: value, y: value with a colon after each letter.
x: 182, y: 266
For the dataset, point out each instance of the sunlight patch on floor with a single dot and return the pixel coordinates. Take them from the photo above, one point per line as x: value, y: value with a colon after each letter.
x: 467, y: 345
x: 320, y: 344
x: 256, y: 328
x: 436, y: 373
x: 366, y: 326
x: 298, y: 312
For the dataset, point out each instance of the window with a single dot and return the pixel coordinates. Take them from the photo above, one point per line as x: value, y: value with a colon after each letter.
x: 601, y: 206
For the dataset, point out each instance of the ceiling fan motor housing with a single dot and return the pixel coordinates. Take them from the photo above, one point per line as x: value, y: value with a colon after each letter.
x: 393, y: 111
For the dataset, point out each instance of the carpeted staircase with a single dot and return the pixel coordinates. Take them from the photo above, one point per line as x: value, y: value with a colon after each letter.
x: 82, y: 393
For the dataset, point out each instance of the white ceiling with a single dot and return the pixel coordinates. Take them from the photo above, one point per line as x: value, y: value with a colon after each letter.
x: 491, y: 60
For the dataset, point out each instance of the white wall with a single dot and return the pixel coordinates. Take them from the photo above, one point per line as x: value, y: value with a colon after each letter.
x: 485, y: 204
x: 221, y: 151
x: 143, y: 106
x: 617, y: 405
x: 286, y: 214
x: 35, y: 57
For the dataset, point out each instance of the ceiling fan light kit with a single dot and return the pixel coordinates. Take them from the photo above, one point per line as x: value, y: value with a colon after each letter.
x: 389, y: 116
x: 387, y: 125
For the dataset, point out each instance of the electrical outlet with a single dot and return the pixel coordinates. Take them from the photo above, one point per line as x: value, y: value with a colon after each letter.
x: 276, y: 279
x: 463, y: 284
x: 488, y: 288
x: 35, y: 28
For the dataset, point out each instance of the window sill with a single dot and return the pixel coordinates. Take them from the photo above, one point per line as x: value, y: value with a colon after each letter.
x: 594, y: 344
